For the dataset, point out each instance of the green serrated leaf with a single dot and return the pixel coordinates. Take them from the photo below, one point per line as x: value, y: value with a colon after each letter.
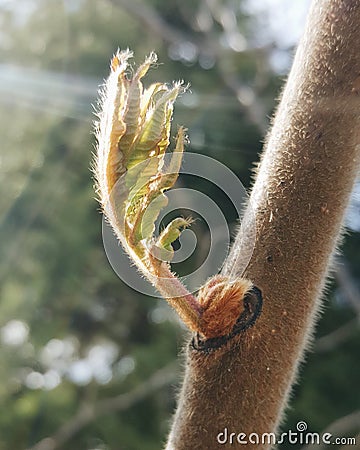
x: 154, y: 136
x: 134, y: 104
x: 171, y: 172
x: 131, y: 117
x: 146, y: 226
x: 148, y: 188
x: 172, y: 232
x: 163, y: 249
x: 137, y: 177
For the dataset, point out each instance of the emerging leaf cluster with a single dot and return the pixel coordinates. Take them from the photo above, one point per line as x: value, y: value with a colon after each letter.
x: 132, y: 167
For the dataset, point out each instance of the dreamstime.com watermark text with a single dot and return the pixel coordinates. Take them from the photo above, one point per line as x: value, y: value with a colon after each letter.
x: 300, y: 436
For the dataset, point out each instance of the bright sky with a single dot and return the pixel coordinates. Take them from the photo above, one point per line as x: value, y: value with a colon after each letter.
x: 282, y: 20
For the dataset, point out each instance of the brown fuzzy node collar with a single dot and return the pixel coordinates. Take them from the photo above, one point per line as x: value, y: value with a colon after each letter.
x: 252, y: 303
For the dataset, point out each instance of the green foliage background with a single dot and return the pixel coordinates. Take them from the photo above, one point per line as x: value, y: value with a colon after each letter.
x: 55, y: 280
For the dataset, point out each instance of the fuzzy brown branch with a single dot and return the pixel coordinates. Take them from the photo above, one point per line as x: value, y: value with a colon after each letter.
x: 89, y: 412
x: 302, y: 187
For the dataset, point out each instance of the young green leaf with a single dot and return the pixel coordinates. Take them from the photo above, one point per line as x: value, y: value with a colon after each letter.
x: 133, y: 172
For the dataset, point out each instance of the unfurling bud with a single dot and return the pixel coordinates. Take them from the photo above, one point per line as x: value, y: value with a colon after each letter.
x: 133, y: 171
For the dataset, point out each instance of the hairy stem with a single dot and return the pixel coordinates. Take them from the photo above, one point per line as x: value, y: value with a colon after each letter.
x: 302, y: 187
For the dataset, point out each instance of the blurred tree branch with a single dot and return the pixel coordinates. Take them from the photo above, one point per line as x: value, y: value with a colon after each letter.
x: 349, y: 288
x: 332, y: 340
x: 149, y: 17
x: 352, y: 295
x: 87, y: 413
x: 206, y: 45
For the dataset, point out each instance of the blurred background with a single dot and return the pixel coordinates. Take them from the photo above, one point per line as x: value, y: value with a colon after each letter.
x: 87, y: 362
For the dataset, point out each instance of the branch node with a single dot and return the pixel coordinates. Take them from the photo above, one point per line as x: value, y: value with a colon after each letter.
x: 251, y: 303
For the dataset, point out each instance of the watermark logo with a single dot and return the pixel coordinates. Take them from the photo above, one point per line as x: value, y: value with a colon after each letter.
x: 299, y: 436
